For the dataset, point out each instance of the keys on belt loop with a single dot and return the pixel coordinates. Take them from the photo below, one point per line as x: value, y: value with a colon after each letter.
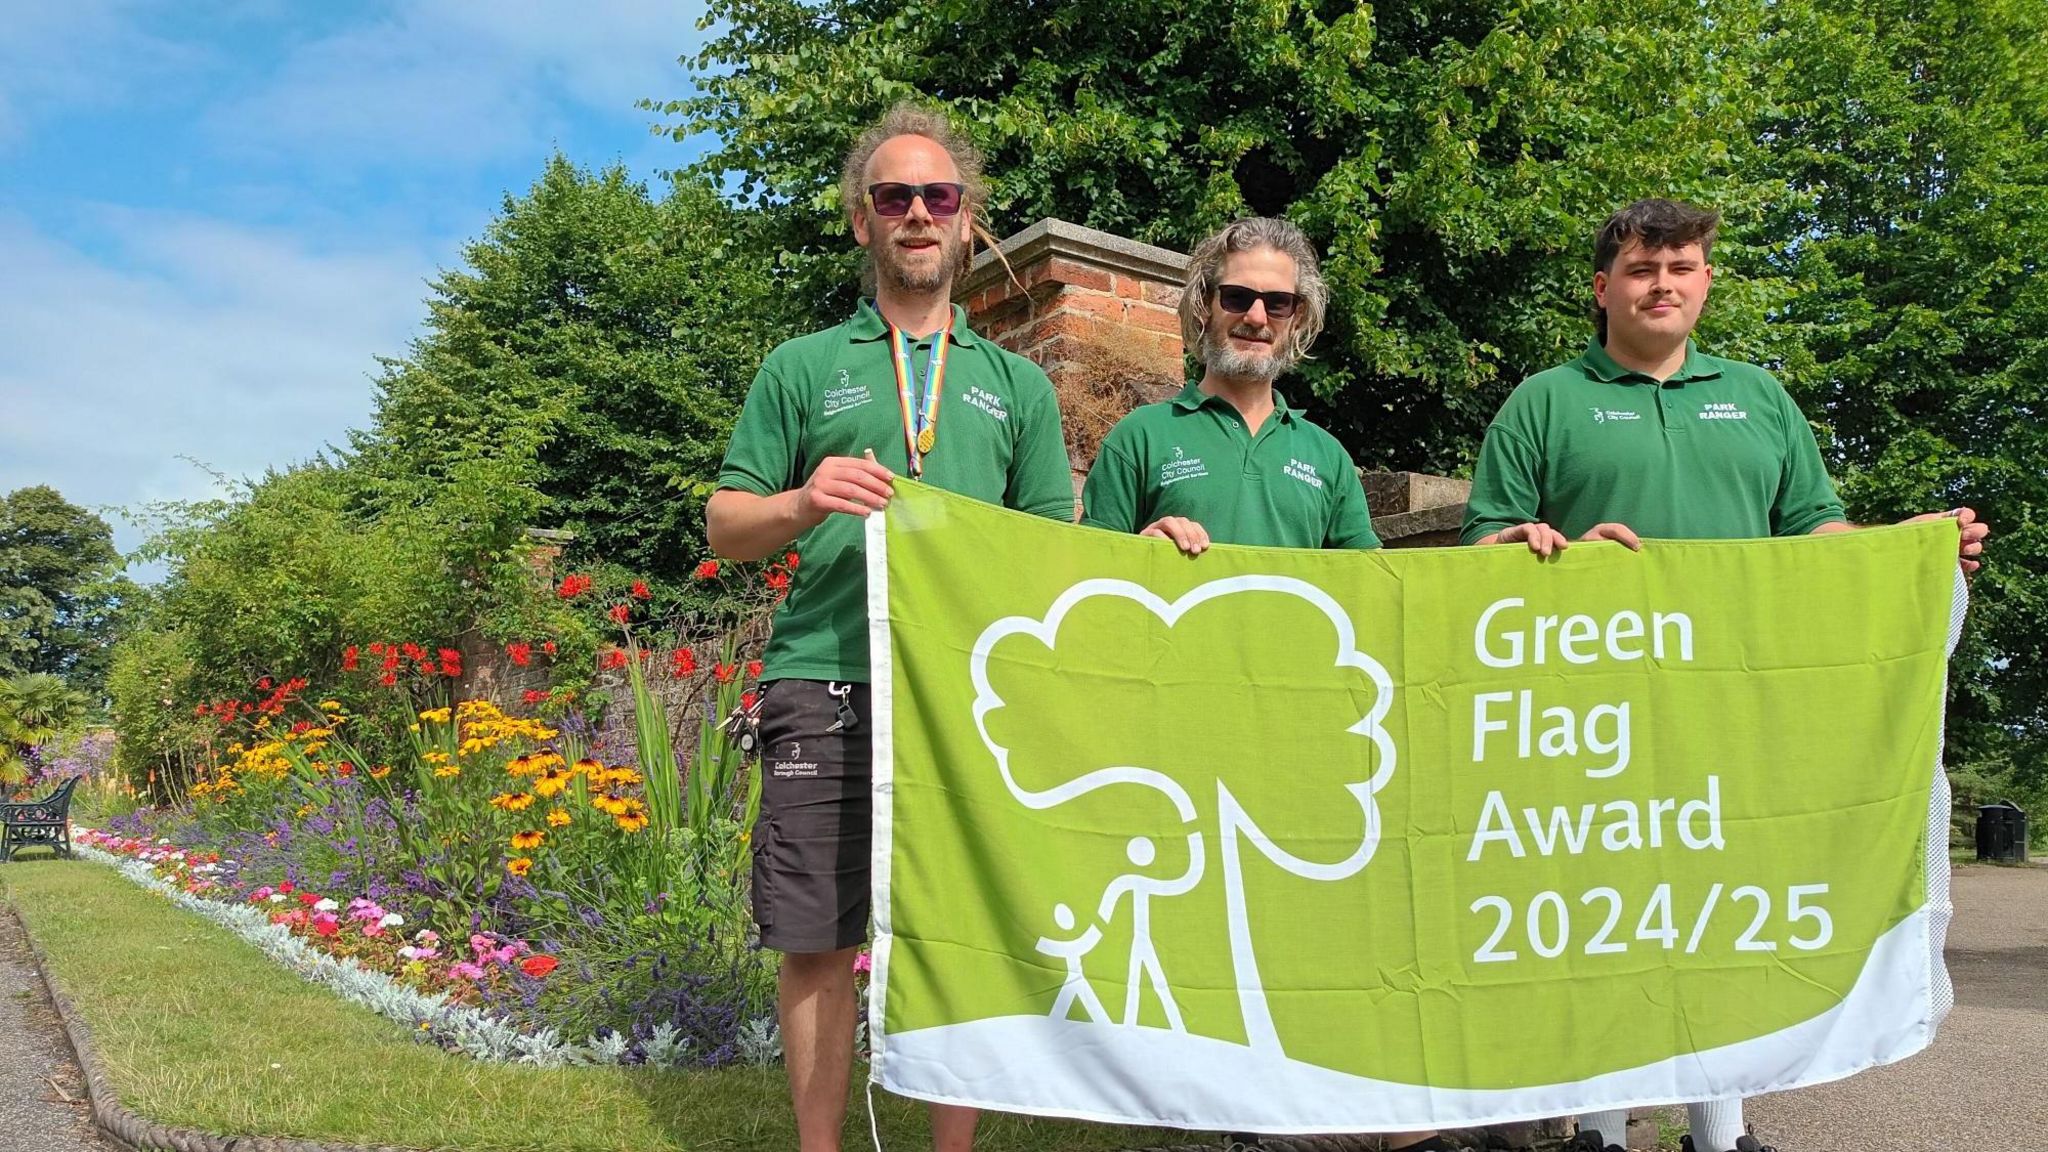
x: 847, y: 719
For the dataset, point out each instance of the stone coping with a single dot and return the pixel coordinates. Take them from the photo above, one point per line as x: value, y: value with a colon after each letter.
x: 1050, y: 237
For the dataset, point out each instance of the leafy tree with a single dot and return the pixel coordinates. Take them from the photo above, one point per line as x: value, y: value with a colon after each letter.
x: 60, y: 587
x: 609, y: 335
x: 1916, y: 136
x: 1452, y: 159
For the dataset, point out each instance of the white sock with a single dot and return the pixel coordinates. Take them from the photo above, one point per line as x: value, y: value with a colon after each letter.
x: 1612, y: 1126
x: 1716, y: 1124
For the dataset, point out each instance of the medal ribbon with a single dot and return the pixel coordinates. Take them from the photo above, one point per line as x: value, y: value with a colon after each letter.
x: 920, y: 413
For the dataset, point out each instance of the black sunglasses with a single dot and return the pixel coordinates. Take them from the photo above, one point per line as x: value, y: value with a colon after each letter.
x: 1238, y: 299
x: 940, y: 199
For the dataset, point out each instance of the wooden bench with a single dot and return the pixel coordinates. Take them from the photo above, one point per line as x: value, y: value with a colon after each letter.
x: 45, y: 822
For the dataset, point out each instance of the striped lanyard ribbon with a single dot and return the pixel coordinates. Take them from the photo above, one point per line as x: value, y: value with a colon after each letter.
x: 920, y: 412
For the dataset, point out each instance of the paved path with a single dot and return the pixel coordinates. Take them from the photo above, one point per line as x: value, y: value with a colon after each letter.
x: 42, y: 1095
x: 1983, y: 1083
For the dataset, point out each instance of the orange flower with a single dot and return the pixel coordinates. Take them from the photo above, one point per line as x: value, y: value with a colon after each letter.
x: 526, y: 841
x: 631, y: 821
x: 538, y: 965
x: 706, y: 570
x: 573, y: 586
x: 640, y: 591
x: 615, y: 658
x: 519, y: 866
x: 558, y: 818
x: 512, y: 801
x: 620, y: 613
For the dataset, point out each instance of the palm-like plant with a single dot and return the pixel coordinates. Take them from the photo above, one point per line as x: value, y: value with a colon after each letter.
x: 34, y: 708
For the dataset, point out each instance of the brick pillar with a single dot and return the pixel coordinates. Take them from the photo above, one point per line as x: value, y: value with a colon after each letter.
x: 1096, y: 311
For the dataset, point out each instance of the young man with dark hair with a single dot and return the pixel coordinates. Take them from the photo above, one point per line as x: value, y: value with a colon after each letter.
x: 830, y: 420
x: 1644, y: 435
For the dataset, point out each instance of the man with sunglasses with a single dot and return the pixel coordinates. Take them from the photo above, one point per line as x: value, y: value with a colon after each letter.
x: 903, y: 386
x: 1643, y: 433
x: 1228, y: 461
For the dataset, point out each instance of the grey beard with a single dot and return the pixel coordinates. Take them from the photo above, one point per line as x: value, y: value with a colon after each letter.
x: 907, y: 279
x: 1219, y: 357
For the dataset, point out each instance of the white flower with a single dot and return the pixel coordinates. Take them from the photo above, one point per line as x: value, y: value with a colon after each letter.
x: 277, y: 897
x: 325, y: 906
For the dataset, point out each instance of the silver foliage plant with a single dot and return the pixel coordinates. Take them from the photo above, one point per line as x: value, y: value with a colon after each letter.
x: 432, y: 1017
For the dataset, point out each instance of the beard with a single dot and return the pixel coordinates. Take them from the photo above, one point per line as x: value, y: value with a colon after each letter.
x: 907, y: 273
x: 1220, y: 357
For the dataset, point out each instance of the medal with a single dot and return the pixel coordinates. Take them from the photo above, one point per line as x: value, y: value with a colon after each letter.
x: 920, y: 412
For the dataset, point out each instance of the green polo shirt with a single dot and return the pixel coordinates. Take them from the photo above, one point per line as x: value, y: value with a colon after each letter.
x: 1719, y: 451
x: 833, y: 393
x: 1290, y: 486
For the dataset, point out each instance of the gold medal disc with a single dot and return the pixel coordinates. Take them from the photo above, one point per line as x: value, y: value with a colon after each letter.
x: 927, y: 438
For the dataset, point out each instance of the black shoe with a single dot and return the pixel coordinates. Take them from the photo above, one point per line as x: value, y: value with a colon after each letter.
x: 1590, y: 1140
x: 1742, y: 1144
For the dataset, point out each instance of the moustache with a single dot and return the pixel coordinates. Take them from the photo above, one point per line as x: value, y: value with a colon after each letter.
x: 1251, y: 332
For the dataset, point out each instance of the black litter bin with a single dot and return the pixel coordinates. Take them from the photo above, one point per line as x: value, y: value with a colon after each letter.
x: 2002, y: 833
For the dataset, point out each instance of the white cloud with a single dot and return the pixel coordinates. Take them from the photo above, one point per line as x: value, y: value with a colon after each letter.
x: 462, y: 79
x: 80, y: 54
x: 240, y: 348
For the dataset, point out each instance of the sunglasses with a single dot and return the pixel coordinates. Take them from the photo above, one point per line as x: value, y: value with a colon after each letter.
x: 1238, y: 299
x: 940, y: 199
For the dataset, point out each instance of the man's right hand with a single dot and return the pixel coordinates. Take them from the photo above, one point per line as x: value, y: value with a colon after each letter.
x: 1186, y: 535
x: 846, y: 484
x: 1541, y: 538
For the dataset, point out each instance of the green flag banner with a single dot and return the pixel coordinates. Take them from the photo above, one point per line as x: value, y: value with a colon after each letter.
x: 1296, y: 841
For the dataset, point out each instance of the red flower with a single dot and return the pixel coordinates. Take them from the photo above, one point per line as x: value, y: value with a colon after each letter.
x: 326, y: 927
x: 616, y: 658
x: 620, y: 613
x: 789, y: 561
x: 390, y: 660
x: 538, y: 965
x: 725, y: 672
x: 389, y: 679
x: 521, y: 653
x: 779, y: 581
x: 348, y: 658
x: 200, y: 711
x: 706, y: 570
x: 377, y: 648
x: 263, y: 685
x: 451, y: 662
x: 285, y: 887
x: 309, y: 898
x: 573, y: 585
x: 640, y: 591
x: 414, y: 652
x: 535, y: 696
x: 548, y: 646
x: 301, y: 726
x: 753, y: 669
x: 345, y: 768
x: 747, y: 700
x: 685, y: 661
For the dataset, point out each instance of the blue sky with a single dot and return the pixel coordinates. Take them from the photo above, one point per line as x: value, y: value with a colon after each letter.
x: 215, y: 216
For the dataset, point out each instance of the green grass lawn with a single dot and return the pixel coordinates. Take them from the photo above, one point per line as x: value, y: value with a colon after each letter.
x: 199, y: 1030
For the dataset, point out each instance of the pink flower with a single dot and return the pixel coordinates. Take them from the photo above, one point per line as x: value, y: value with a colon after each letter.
x: 464, y: 970
x: 326, y: 924
x: 863, y: 963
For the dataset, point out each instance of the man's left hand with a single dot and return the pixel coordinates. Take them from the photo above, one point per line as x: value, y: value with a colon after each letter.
x: 1974, y: 532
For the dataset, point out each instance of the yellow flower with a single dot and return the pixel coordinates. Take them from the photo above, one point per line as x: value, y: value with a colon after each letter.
x: 542, y: 760
x: 513, y: 801
x: 621, y: 774
x: 519, y: 866
x: 631, y: 821
x: 523, y: 841
x: 434, y: 756
x: 557, y: 817
x: 306, y: 810
x: 435, y: 715
x: 447, y: 770
x: 380, y: 771
x: 551, y: 783
x: 588, y: 767
x: 330, y: 705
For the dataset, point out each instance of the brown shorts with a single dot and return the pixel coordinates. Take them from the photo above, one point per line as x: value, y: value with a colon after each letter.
x: 811, y: 844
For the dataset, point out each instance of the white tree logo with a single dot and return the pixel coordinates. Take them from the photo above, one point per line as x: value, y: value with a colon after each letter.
x: 1234, y: 824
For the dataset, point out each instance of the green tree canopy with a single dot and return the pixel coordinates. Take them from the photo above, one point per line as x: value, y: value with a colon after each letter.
x: 612, y: 337
x: 60, y: 588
